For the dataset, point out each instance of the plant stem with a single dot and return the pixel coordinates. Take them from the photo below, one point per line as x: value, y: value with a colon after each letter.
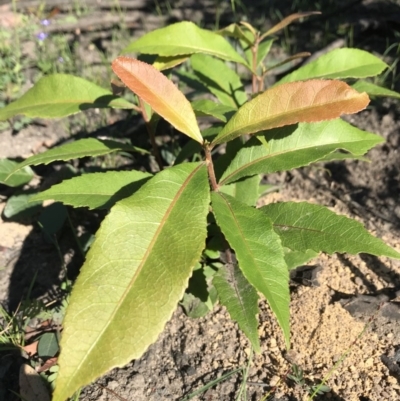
x: 273, y: 389
x: 254, y: 51
x: 78, y: 242
x: 257, y: 81
x: 210, y: 167
x: 152, y: 137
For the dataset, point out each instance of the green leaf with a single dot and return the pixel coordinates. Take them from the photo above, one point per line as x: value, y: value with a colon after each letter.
x: 184, y: 38
x: 135, y: 273
x: 295, y: 146
x: 235, y: 31
x: 189, y: 150
x: 303, y: 226
x: 192, y: 81
x: 52, y: 219
x: 246, y: 191
x: 339, y: 64
x: 201, y: 295
x: 220, y: 80
x: 287, y: 21
x: 291, y: 103
x: 20, y: 206
x: 22, y: 177
x: 259, y: 252
x: 195, y: 308
x: 340, y: 156
x: 165, y: 63
x: 374, y: 90
x: 61, y: 95
x: 95, y: 190
x: 295, y: 259
x: 192, y: 147
x: 48, y: 345
x: 224, y: 160
x: 75, y: 150
x: 206, y: 107
x: 263, y: 50
x: 240, y: 299
x: 265, y: 189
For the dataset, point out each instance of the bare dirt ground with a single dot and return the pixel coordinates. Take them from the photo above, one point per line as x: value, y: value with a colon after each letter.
x: 329, y: 309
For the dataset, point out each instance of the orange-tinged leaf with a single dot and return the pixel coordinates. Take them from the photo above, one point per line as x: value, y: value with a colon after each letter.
x: 48, y: 364
x: 160, y: 93
x: 291, y: 103
x: 288, y: 20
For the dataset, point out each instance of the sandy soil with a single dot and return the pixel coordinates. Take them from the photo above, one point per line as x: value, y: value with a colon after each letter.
x: 347, y: 294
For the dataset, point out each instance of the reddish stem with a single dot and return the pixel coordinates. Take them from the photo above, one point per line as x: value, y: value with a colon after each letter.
x: 255, y: 78
x: 152, y: 137
x: 210, y: 167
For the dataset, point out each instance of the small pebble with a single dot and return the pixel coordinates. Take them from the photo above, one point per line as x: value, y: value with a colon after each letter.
x: 358, y: 281
x: 369, y: 363
x: 274, y: 380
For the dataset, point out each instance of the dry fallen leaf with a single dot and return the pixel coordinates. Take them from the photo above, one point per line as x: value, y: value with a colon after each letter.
x: 48, y: 364
x: 31, y: 349
x: 31, y: 385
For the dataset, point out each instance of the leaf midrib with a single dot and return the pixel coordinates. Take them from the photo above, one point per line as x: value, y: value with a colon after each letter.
x: 279, y: 115
x: 238, y: 294
x: 319, y: 231
x: 151, y: 245
x: 242, y: 236
x: 261, y: 159
x: 177, y: 116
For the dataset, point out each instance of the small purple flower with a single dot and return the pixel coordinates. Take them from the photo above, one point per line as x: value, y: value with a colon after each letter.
x: 60, y: 59
x: 45, y: 22
x: 42, y: 36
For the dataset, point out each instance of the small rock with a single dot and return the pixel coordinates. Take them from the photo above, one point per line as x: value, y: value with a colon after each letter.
x: 391, y: 380
x: 112, y: 385
x: 190, y: 371
x: 274, y: 380
x: 358, y: 281
x: 369, y: 363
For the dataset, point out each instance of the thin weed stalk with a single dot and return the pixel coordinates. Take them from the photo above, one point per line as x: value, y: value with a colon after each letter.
x: 18, y: 395
x: 82, y: 252
x: 274, y: 388
x: 17, y: 48
x: 212, y: 384
x: 243, y: 388
x: 10, y: 333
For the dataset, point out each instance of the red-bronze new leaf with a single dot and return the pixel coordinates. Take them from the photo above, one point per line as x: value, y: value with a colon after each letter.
x: 160, y: 93
x: 305, y: 101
